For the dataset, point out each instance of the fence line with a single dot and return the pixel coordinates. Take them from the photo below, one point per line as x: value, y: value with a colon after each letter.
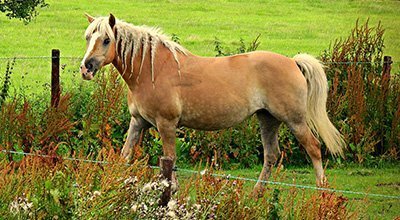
x: 78, y: 58
x: 218, y: 175
x: 38, y: 57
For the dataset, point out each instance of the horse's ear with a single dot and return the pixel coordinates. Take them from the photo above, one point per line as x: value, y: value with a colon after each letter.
x: 111, y: 20
x: 89, y: 18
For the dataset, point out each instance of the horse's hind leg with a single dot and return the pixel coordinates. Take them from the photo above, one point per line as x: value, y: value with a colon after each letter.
x: 269, y: 128
x: 304, y: 135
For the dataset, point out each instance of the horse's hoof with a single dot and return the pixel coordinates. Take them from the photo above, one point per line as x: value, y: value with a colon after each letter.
x: 258, y: 191
x: 323, y: 182
x: 126, y: 154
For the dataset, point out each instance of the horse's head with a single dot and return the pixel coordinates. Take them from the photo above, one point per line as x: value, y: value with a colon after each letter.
x: 100, y: 45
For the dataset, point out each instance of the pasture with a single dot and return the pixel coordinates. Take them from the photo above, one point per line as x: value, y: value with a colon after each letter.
x: 93, y: 120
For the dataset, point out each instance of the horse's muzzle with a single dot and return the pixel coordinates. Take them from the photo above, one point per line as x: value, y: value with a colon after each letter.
x: 86, y: 73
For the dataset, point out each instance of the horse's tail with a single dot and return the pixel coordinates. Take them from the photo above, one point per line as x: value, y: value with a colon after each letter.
x: 317, y: 117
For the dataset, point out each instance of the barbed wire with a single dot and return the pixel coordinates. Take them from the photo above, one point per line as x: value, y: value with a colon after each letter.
x: 219, y: 175
x: 78, y: 58
x: 38, y: 57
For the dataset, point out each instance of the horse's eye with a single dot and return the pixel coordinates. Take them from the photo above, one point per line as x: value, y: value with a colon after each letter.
x: 106, y: 41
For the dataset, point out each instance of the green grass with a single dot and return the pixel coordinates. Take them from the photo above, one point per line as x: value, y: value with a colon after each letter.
x: 351, y: 178
x: 286, y: 27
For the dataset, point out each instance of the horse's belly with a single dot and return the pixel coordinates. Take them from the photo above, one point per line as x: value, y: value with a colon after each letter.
x: 213, y: 118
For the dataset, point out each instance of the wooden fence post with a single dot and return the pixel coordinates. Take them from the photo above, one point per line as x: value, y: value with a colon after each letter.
x: 385, y: 83
x: 55, y: 77
x: 166, y: 166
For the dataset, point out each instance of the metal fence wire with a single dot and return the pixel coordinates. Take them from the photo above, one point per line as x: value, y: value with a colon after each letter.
x: 230, y: 177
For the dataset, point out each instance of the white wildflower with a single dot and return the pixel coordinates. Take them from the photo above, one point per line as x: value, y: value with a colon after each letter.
x: 26, y: 206
x: 197, y: 206
x: 203, y: 172
x: 172, y: 204
x: 171, y: 214
x: 165, y: 183
x: 21, y: 204
x: 144, y: 207
x: 147, y: 187
x: 14, y: 207
x: 130, y: 180
x: 96, y: 193
x: 154, y: 185
x: 134, y: 208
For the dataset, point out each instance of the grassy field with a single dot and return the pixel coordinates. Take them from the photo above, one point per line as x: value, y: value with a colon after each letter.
x: 286, y: 27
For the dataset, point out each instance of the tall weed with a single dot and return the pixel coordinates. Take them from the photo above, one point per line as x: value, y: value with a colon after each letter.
x: 362, y: 100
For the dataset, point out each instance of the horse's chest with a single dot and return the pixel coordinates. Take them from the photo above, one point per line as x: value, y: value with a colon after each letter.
x: 139, y: 109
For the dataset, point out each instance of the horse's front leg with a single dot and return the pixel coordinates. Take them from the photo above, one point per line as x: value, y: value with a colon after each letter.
x: 167, y: 129
x: 136, y: 127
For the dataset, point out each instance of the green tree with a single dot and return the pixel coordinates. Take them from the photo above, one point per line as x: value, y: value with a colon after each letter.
x: 24, y: 10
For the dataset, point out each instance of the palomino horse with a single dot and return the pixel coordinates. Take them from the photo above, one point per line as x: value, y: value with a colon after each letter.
x: 168, y: 87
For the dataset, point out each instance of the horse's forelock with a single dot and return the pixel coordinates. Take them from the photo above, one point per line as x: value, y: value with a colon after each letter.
x: 100, y: 25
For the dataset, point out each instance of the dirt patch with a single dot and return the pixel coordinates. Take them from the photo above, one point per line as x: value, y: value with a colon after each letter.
x: 361, y: 172
x: 395, y: 185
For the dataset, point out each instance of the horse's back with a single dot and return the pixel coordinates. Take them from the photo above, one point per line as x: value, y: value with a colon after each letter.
x: 227, y: 90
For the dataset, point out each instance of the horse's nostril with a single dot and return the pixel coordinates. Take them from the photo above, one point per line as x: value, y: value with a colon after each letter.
x: 89, y: 66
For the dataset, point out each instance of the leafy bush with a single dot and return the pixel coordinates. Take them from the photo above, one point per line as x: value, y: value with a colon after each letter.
x: 24, y: 10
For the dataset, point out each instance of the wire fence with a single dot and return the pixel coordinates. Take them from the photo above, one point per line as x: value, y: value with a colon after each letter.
x: 230, y: 177
x: 36, y: 69
x: 80, y: 58
x: 31, y: 75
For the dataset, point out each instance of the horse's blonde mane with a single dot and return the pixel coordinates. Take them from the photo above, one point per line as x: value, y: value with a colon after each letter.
x: 130, y: 39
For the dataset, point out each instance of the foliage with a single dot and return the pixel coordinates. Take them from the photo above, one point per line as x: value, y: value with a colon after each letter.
x: 6, y: 82
x: 222, y: 51
x: 84, y: 121
x: 53, y: 188
x: 363, y: 99
x: 24, y: 10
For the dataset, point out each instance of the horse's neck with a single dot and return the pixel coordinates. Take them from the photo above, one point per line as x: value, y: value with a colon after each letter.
x: 133, y: 76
